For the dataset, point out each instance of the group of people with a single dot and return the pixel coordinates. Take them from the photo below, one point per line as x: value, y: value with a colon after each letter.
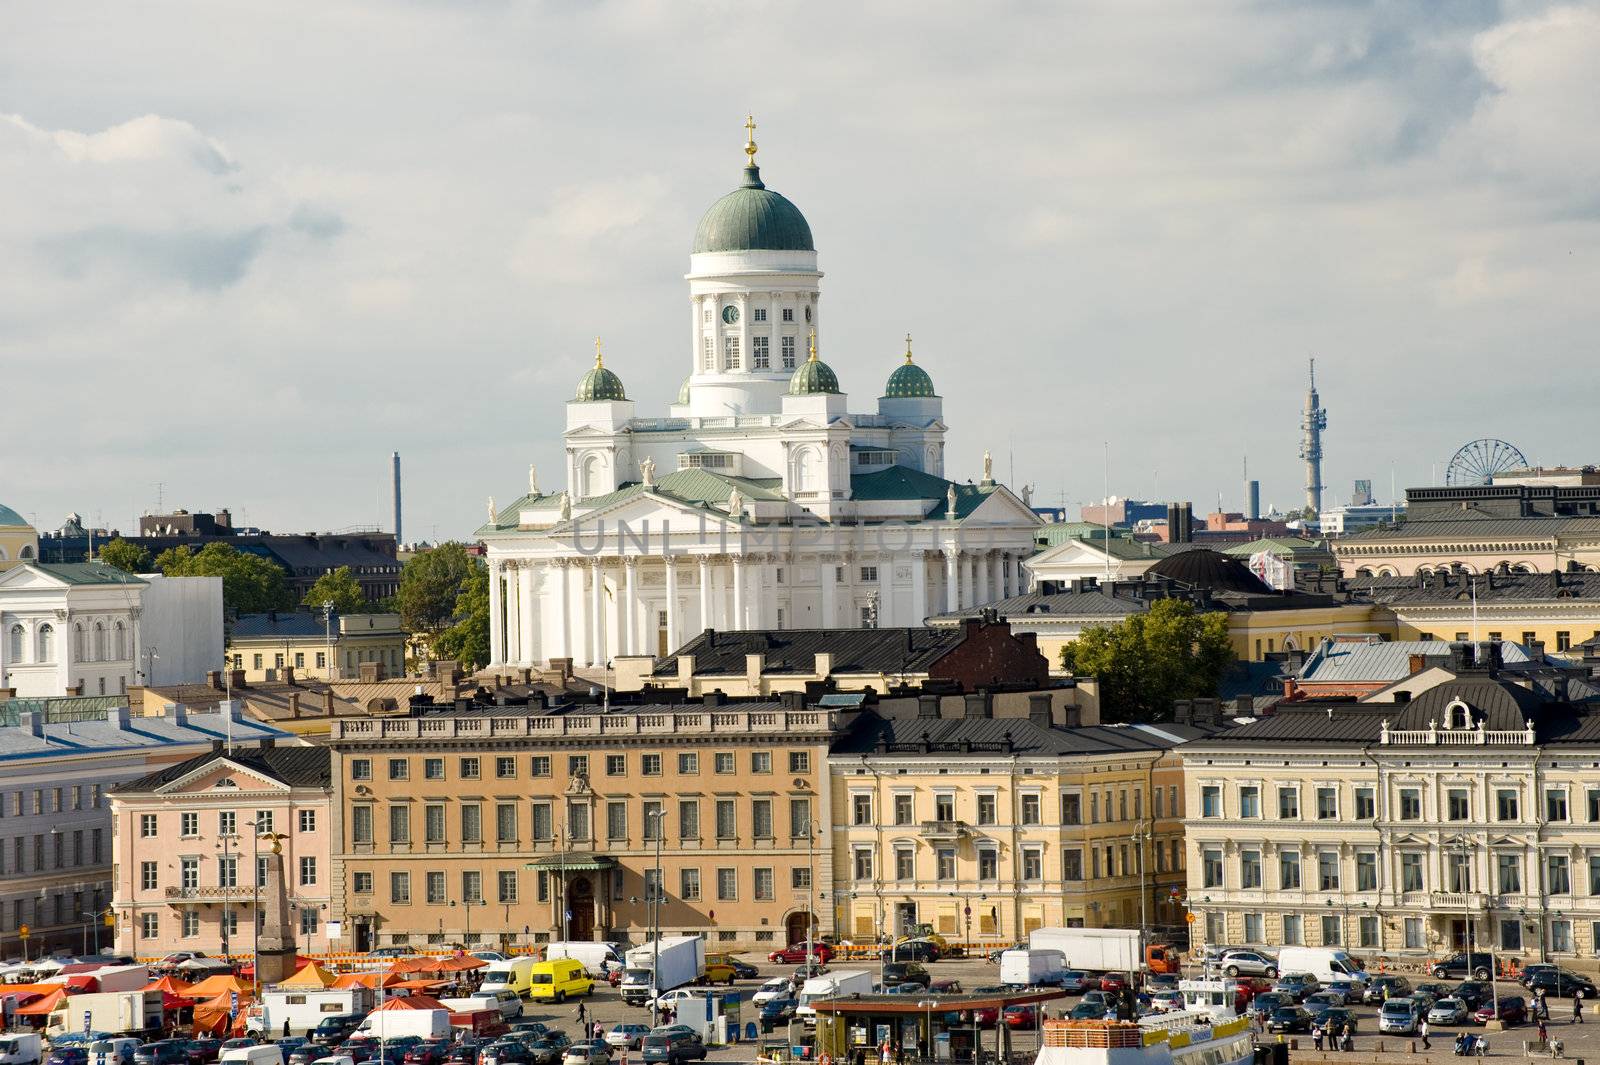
x: 1340, y: 1035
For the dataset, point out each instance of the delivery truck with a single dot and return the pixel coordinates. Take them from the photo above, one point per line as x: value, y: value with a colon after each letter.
x: 678, y: 960
x: 106, y: 977
x: 1104, y: 950
x: 513, y: 974
x: 397, y: 1024
x: 832, y: 985
x: 598, y: 958
x: 111, y: 1012
x: 1027, y: 967
x: 303, y: 1008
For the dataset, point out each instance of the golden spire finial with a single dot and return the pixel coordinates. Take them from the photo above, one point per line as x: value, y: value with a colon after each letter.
x: 813, y: 345
x: 750, y: 139
x: 908, y: 347
x: 598, y: 360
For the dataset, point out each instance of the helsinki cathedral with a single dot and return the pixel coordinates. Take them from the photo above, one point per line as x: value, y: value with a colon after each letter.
x: 760, y: 501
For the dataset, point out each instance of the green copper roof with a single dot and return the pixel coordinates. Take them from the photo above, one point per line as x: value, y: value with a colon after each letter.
x: 909, y: 381
x: 813, y: 378
x: 88, y: 573
x: 10, y: 517
x: 599, y: 385
x: 753, y: 217
x: 903, y: 482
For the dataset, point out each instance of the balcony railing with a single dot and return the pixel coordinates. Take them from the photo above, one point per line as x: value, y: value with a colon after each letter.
x: 209, y: 893
x: 618, y: 723
x: 944, y: 831
x: 1459, y: 900
x: 1463, y: 737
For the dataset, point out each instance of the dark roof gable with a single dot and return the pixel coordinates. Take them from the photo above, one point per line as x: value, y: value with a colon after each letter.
x: 297, y: 767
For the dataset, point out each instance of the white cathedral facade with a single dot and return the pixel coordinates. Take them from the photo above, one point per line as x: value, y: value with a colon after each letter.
x: 759, y: 501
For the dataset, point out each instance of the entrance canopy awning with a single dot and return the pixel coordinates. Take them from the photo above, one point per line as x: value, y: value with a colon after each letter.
x: 576, y: 862
x: 932, y: 1002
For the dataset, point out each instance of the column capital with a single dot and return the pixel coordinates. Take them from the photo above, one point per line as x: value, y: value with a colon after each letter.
x: 951, y: 552
x: 630, y: 561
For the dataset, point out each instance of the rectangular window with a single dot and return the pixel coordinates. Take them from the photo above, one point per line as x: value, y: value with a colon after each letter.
x: 1031, y: 813
x: 688, y: 764
x: 360, y: 824
x: 759, y: 314
x: 727, y: 822
x: 433, y: 769
x: 727, y: 885
x: 861, y: 809
x: 1506, y: 805
x: 470, y: 768
x: 760, y: 353
x: 787, y: 343
x: 1414, y: 937
x: 944, y: 807
x: 1288, y: 870
x: 761, y: 818
x: 800, y: 878
x: 650, y: 817
x: 863, y: 863
x: 505, y: 822
x: 1366, y: 804
x: 189, y: 872
x: 543, y: 820
x: 399, y: 824
x: 904, y: 863
x: 760, y: 761
x: 400, y: 887
x: 1563, y: 643
x: 434, y: 887
x: 763, y: 884
x: 688, y: 819
x: 650, y: 765
x: 1250, y: 801
x: 361, y: 883
x: 472, y: 886
x: 1254, y: 927
x: 1292, y: 934
x: 1594, y: 877
x: 308, y: 820
x: 1327, y: 804
x: 617, y: 821
x: 799, y: 761
x: 689, y: 884
x: 471, y: 822
x: 1561, y: 928
x: 577, y: 765
x: 505, y: 768
x: 1332, y: 932
x: 1032, y: 863
x: 1071, y: 863
x: 147, y: 876
x: 147, y: 826
x: 722, y: 762
x: 800, y: 826
x: 149, y: 925
x: 433, y: 823
x: 1508, y: 870
x: 1557, y: 874
x: 1288, y: 804
x: 308, y: 872
x: 1410, y: 804
x: 1366, y: 871
x: 1210, y: 865
x: 1555, y: 804
x: 1459, y: 869
x: 1458, y: 808
x: 399, y: 769
x: 1072, y: 808
x: 903, y: 811
x: 708, y: 346
x: 730, y: 353
x: 1328, y: 871
x: 1249, y: 869
x: 227, y: 823
x: 945, y: 863
x: 1210, y: 801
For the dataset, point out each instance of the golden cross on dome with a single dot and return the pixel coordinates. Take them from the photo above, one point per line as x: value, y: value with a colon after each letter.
x: 813, y: 345
x: 750, y: 139
x: 908, y: 347
x: 597, y: 358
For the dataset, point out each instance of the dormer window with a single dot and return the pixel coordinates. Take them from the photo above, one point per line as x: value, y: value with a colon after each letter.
x: 1458, y: 715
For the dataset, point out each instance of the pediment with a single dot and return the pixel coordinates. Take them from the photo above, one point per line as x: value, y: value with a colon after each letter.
x: 646, y: 509
x: 1069, y: 553
x: 222, y: 777
x: 1000, y: 507
x: 28, y: 579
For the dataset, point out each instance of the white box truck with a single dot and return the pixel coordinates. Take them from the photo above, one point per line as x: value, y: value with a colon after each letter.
x: 397, y: 1024
x: 112, y: 1012
x: 20, y: 1048
x: 513, y: 974
x: 1027, y: 967
x: 304, y: 1008
x: 832, y: 985
x: 1103, y: 950
x: 682, y: 960
x: 598, y: 958
x: 114, y: 977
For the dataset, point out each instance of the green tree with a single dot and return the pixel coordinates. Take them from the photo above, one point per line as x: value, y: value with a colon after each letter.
x: 1143, y: 663
x: 340, y: 588
x: 429, y: 585
x: 125, y: 556
x: 467, y: 638
x: 250, y: 584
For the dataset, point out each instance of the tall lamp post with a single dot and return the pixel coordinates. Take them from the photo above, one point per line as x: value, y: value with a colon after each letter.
x: 1140, y: 838
x: 811, y: 891
x: 653, y: 899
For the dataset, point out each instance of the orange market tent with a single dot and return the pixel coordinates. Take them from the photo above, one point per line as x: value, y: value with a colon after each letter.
x: 221, y: 984
x: 460, y: 963
x: 373, y: 980
x: 17, y: 990
x: 43, y: 1005
x: 212, y: 1015
x: 419, y: 984
x: 311, y: 975
x: 170, y: 984
x: 415, y: 965
x: 413, y: 1002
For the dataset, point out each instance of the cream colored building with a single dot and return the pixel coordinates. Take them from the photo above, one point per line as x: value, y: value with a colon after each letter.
x: 984, y: 828
x: 265, y: 645
x: 19, y: 540
x: 1390, y: 829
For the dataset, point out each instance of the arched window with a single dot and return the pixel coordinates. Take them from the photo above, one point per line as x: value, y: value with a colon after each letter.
x: 100, y: 642
x: 806, y: 473
x: 1460, y: 716
x: 17, y: 651
x: 47, y: 643
x: 122, y: 642
x: 589, y: 477
x: 26, y: 552
x: 80, y: 643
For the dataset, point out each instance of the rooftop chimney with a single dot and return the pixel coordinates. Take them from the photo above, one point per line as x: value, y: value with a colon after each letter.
x: 33, y: 723
x: 214, y: 679
x: 927, y: 706
x: 1039, y: 709
x: 978, y: 705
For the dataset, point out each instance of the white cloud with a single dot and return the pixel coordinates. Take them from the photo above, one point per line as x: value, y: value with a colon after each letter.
x: 146, y: 138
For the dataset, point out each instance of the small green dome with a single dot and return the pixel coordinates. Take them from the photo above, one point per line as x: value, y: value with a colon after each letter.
x: 909, y: 381
x: 599, y: 384
x: 683, y: 391
x: 814, y: 377
x: 750, y: 218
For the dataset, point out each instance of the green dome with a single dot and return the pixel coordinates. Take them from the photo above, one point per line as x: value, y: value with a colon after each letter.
x: 753, y: 218
x: 814, y: 378
x: 599, y: 385
x: 909, y: 381
x: 683, y: 391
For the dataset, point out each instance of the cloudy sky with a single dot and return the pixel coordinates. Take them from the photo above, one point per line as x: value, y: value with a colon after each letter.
x: 250, y: 248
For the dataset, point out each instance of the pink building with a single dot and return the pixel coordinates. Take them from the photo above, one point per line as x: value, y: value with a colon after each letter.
x: 189, y: 845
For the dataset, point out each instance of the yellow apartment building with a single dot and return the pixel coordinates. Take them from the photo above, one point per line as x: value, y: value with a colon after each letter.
x: 340, y: 647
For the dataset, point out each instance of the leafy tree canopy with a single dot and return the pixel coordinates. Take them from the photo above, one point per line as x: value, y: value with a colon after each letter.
x: 250, y: 584
x: 429, y: 584
x: 131, y: 558
x: 467, y: 638
x: 1145, y: 662
x: 340, y: 588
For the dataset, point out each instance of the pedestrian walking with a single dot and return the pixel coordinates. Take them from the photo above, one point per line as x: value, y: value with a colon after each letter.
x: 1577, y: 1009
x: 1316, y: 1036
x: 583, y: 1017
x: 1422, y: 1030
x: 1544, y: 1036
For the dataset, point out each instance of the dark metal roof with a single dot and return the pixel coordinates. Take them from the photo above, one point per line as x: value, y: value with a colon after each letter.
x: 1474, y: 526
x: 297, y: 767
x: 908, y: 650
x: 874, y: 732
x: 1211, y: 570
x: 1439, y: 588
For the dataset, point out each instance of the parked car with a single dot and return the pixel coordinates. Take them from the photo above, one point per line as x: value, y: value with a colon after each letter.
x: 1513, y: 1011
x: 1076, y: 981
x: 1289, y: 1019
x: 1297, y: 985
x: 1023, y: 1015
x: 1167, y: 1001
x: 627, y: 1036
x: 1086, y: 1011
x: 67, y: 1055
x: 1349, y: 991
x: 1337, y: 1017
x: 1448, y: 1011
x: 1563, y: 984
x: 1479, y: 965
x: 1383, y: 988
x: 203, y: 1051
x: 945, y: 987
x: 1097, y: 998
x: 994, y: 955
x: 904, y: 972
x: 778, y: 987
x: 1268, y: 1001
x: 306, y: 1053
x: 591, y: 1052
x: 1113, y: 982
x: 1530, y: 971
x: 1398, y: 1016
x: 742, y: 970
x: 1437, y: 990
x: 490, y: 955
x: 1474, y: 992
x: 548, y: 1048
x: 1163, y: 981
x: 1251, y: 986
x: 776, y: 1011
x: 673, y: 1048
x: 795, y: 953
x: 428, y: 1052
x: 1322, y: 1000
x: 1249, y: 963
x: 913, y: 950
x: 162, y: 1052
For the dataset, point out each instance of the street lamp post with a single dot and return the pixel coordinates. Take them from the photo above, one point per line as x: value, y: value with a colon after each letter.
x: 653, y: 899
x: 327, y: 636
x: 1139, y: 839
x: 227, y: 861
x: 811, y: 892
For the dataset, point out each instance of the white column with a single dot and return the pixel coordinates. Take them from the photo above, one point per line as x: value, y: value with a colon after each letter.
x: 513, y: 617
x: 969, y: 583
x: 577, y: 572
x: 704, y: 575
x: 497, y: 626
x: 952, y: 580
x: 672, y: 603
x: 997, y: 575
x: 739, y: 620
x: 597, y: 628
x: 830, y: 591
x: 630, y: 621
x: 757, y: 583
x: 888, y: 614
x: 527, y: 615
x: 980, y: 566
x: 919, y: 588
x: 560, y: 571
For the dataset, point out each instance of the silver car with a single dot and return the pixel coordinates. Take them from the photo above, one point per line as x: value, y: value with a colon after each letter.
x: 1448, y: 1011
x: 1249, y: 963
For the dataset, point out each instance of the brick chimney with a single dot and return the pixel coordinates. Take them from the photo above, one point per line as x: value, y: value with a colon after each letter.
x: 294, y: 705
x: 977, y: 705
x: 1039, y: 709
x: 214, y: 679
x: 327, y: 701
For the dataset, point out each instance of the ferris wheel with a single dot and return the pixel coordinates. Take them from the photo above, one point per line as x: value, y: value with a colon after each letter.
x: 1478, y: 462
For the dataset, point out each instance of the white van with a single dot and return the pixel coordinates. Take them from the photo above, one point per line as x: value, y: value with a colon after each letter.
x: 598, y: 958
x: 513, y: 974
x: 260, y: 1054
x: 1325, y: 963
x: 20, y: 1048
x: 114, y: 1051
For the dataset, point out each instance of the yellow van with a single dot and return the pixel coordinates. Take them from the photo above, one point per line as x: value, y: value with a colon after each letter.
x: 559, y: 980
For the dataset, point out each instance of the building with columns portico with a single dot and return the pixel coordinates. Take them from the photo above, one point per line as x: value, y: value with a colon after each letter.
x: 760, y: 501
